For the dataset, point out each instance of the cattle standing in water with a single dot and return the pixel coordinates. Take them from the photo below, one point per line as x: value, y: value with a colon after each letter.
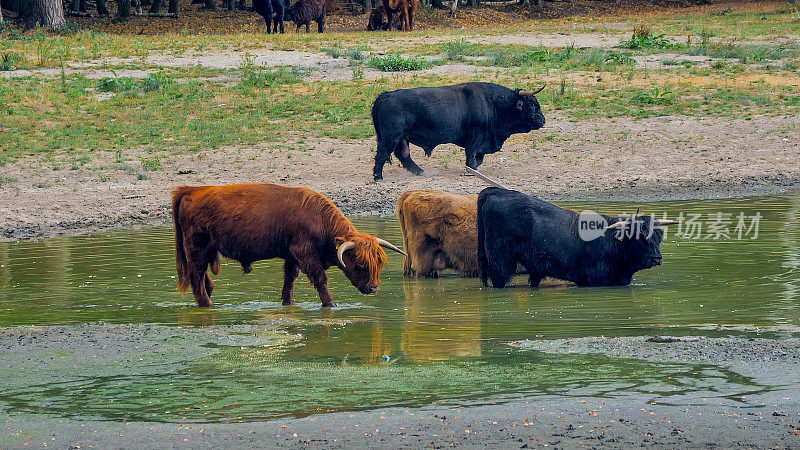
x: 273, y: 12
x: 306, y: 11
x: 476, y: 116
x: 439, y: 232
x: 251, y: 222
x: 515, y: 227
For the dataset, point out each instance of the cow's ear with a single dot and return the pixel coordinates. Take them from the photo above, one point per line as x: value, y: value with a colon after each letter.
x: 520, y: 104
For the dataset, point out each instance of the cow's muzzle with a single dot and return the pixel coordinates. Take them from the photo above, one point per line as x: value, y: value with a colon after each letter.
x: 368, y: 289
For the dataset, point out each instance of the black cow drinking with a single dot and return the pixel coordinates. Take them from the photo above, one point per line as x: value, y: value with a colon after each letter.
x: 476, y: 116
x: 515, y: 227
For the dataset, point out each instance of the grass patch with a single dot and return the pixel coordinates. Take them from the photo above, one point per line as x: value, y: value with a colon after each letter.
x: 458, y: 50
x: 152, y: 82
x: 11, y: 61
x: 256, y: 77
x: 394, y: 62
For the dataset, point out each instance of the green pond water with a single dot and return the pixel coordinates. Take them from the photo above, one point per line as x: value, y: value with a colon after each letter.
x: 446, y: 340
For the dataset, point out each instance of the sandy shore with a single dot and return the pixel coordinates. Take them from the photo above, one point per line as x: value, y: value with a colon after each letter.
x: 766, y: 418
x: 605, y: 159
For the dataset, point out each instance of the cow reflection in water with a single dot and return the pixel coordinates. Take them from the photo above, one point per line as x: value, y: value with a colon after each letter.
x: 435, y: 327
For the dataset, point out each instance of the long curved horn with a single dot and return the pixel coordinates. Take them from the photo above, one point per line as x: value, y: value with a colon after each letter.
x: 485, y: 178
x: 343, y: 248
x: 663, y: 223
x: 388, y: 245
x: 620, y: 224
x: 531, y: 94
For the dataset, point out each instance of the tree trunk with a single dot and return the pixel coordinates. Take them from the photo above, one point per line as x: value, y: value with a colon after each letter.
x: 1, y: 13
x: 47, y: 13
x: 123, y: 9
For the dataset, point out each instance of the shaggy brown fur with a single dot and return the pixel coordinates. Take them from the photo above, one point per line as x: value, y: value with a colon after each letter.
x: 404, y: 8
x: 251, y: 222
x: 306, y: 11
x: 378, y: 20
x: 439, y: 232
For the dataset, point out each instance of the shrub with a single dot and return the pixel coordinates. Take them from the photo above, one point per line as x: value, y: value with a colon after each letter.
x: 655, y: 96
x: 642, y: 38
x: 155, y: 81
x: 115, y: 83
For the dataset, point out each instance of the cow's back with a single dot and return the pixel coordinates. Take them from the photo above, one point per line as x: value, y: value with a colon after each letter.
x: 248, y: 222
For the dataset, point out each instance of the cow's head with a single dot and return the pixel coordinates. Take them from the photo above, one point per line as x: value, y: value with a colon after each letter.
x: 529, y: 108
x: 361, y: 258
x: 640, y: 238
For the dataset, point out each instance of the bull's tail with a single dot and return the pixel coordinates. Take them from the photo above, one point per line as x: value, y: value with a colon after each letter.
x: 181, y: 264
x: 375, y: 118
x: 483, y: 261
x: 407, y: 270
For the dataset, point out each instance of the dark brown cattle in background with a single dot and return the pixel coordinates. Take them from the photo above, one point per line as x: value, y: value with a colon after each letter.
x: 439, y: 232
x: 404, y: 8
x: 251, y: 222
x: 379, y: 22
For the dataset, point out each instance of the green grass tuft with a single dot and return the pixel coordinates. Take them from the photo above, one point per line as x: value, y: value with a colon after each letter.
x: 393, y: 62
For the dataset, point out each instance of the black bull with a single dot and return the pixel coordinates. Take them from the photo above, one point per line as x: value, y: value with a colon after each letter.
x: 476, y: 116
x: 515, y: 227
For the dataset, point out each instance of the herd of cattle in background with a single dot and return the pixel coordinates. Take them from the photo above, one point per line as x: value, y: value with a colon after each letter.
x: 391, y: 14
x: 494, y: 235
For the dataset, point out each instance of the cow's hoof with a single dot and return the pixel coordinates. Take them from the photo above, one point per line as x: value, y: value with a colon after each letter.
x: 379, y: 179
x: 329, y: 305
x: 417, y: 171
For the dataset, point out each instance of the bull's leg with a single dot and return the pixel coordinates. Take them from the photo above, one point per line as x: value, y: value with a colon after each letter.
x: 383, y: 154
x: 501, y: 262
x: 308, y: 27
x: 534, y: 279
x: 321, y: 24
x: 479, y: 158
x: 290, y: 272
x: 268, y: 15
x: 403, y: 153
